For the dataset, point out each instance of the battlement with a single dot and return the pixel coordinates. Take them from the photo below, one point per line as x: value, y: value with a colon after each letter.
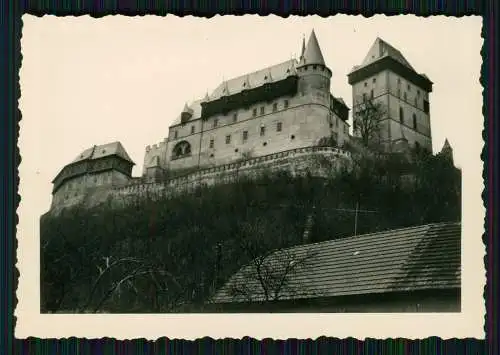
x: 157, y: 146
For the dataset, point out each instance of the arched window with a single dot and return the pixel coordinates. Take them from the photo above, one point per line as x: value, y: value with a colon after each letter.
x: 415, y: 122
x: 181, y: 150
x: 401, y: 115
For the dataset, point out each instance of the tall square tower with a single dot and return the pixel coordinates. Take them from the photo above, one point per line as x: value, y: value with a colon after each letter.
x: 386, y: 78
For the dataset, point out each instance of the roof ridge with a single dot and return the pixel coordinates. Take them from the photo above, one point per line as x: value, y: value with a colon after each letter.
x: 421, y: 226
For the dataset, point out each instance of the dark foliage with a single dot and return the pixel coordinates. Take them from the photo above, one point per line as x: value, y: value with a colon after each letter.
x: 169, y: 255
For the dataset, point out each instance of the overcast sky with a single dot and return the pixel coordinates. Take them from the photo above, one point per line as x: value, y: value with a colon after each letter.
x: 88, y: 81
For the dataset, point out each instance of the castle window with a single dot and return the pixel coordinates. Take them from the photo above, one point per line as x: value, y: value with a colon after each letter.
x: 409, y: 87
x: 286, y: 103
x: 181, y: 150
x: 292, y: 137
x: 262, y: 110
x: 262, y: 131
x: 374, y: 80
x: 278, y: 127
x: 212, y: 155
x: 405, y: 97
x: 416, y: 102
x: 254, y: 112
x: 264, y: 144
x: 275, y: 107
x: 401, y: 115
x: 228, y: 139
x: 245, y: 136
x: 314, y: 67
x: 426, y: 106
x: 371, y: 93
x: 211, y: 144
x: 192, y: 129
x: 415, y: 122
x: 364, y: 96
x: 235, y: 117
x: 417, y: 145
x: 176, y: 134
x: 215, y: 122
x: 236, y: 150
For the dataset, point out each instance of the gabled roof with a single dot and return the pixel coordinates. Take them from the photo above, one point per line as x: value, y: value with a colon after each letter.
x: 381, y: 49
x: 104, y: 150
x: 312, y: 53
x: 415, y: 258
x: 258, y: 78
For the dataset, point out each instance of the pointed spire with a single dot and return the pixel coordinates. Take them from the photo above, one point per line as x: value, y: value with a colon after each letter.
x: 225, y: 88
x: 207, y: 98
x: 312, y: 53
x: 303, y: 46
x: 446, y: 145
x: 447, y: 150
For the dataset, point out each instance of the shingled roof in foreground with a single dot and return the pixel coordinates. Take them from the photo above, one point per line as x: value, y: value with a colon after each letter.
x: 408, y: 259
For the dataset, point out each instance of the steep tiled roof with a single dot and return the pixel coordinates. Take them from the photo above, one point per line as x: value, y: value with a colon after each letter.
x: 381, y: 49
x: 104, y: 150
x: 236, y: 85
x: 416, y: 258
x: 195, y: 110
x: 258, y: 78
x: 312, y: 53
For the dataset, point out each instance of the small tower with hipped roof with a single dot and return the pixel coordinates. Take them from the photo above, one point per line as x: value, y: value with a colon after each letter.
x: 447, y: 151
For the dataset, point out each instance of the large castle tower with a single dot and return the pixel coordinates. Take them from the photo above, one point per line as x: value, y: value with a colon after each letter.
x: 386, y: 77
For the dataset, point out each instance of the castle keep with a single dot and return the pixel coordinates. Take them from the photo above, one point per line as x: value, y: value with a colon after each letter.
x: 272, y: 117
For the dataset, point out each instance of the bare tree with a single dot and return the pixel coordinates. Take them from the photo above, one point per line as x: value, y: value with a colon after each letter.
x: 270, y: 277
x: 270, y: 273
x: 366, y: 121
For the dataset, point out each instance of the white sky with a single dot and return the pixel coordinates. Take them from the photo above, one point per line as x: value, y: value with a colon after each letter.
x: 88, y: 81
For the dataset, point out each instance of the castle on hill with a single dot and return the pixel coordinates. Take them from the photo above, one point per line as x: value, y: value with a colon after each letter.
x: 279, y: 112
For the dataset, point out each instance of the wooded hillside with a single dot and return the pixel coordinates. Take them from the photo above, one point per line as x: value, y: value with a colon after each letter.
x: 171, y: 254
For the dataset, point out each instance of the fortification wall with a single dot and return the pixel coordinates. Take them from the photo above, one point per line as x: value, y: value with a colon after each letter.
x: 317, y: 161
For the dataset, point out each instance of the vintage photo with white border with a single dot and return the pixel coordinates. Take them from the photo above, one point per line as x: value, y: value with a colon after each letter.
x: 251, y: 176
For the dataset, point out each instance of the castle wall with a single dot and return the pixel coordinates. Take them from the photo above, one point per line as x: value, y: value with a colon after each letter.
x: 296, y: 161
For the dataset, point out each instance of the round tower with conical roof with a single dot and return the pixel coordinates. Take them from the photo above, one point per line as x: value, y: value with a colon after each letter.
x: 311, y: 69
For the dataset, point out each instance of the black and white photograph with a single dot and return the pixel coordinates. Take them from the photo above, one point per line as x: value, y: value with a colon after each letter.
x: 251, y: 166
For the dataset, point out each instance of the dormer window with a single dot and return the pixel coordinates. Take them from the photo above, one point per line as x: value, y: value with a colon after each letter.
x: 176, y: 134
